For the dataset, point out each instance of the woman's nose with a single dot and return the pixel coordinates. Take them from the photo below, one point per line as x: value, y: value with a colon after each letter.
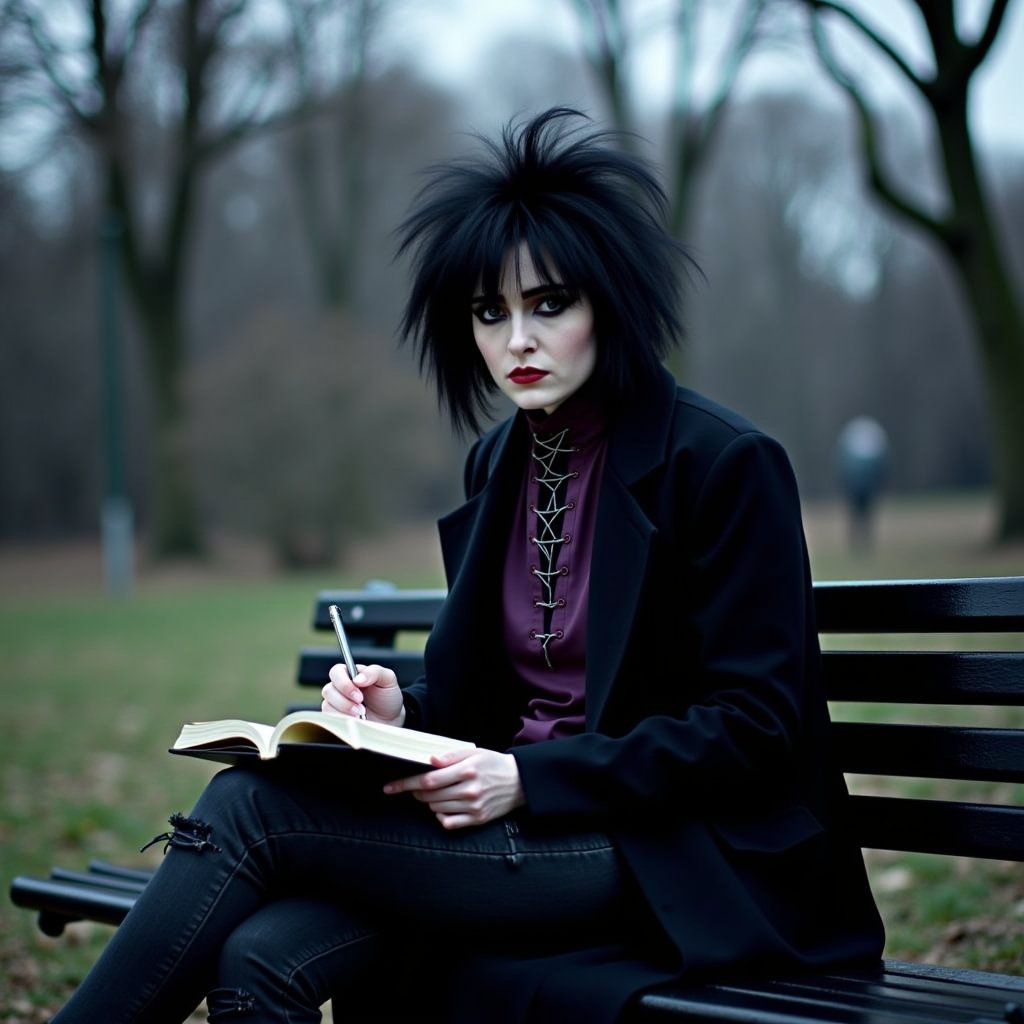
x: 521, y: 338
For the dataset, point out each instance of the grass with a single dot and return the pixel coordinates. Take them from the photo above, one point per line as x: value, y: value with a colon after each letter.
x: 94, y: 690
x: 94, y: 693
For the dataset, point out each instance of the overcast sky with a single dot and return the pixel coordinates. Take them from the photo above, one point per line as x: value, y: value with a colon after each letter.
x: 452, y: 41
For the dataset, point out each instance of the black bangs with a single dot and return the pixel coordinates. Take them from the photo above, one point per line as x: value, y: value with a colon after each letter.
x: 593, y: 221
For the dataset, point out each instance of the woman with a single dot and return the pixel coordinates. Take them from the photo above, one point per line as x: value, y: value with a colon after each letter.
x: 628, y: 638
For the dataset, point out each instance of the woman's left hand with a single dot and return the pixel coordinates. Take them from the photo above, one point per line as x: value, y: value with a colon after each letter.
x: 468, y: 787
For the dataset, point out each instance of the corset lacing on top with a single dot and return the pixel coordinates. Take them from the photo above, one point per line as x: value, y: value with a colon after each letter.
x: 551, y: 455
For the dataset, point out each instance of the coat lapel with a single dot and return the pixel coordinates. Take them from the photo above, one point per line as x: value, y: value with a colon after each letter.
x: 618, y: 567
x: 623, y: 538
x: 474, y: 536
x: 464, y: 645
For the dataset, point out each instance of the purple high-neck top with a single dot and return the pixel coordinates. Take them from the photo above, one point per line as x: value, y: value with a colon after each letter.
x: 547, y: 566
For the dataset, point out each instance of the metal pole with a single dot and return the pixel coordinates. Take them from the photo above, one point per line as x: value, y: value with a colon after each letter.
x: 116, y: 516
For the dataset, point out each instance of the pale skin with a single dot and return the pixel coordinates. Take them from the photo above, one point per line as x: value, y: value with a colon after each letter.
x: 467, y: 787
x: 538, y: 345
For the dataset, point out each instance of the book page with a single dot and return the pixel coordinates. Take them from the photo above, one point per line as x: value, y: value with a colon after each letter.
x: 303, y: 727
x: 196, y: 734
x: 408, y: 744
x: 316, y: 727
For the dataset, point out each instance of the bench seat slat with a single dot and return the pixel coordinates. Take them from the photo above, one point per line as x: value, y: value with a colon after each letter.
x: 925, y: 677
x: 104, y: 867
x: 69, y: 901
x: 891, y: 988
x: 929, y: 751
x: 869, y: 999
x: 938, y: 826
x: 715, y: 1003
x: 105, y: 882
x: 859, y: 995
x: 908, y: 991
x: 957, y: 979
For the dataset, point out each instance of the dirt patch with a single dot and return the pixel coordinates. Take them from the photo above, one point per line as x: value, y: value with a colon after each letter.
x: 914, y: 537
x: 75, y: 567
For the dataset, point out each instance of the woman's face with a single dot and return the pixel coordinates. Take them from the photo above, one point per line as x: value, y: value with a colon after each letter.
x: 536, y: 339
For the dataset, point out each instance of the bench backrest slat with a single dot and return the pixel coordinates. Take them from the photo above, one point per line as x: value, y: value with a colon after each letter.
x: 316, y: 662
x: 925, y: 677
x: 366, y: 611
x: 921, y: 606
x: 882, y: 677
x: 875, y: 606
x: 938, y: 826
x: 929, y: 751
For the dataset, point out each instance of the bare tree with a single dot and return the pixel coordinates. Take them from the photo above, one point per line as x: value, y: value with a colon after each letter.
x: 189, y: 78
x: 610, y: 34
x: 328, y: 154
x: 966, y: 230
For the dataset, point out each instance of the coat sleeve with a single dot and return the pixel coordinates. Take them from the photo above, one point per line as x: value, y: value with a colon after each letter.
x: 749, y: 622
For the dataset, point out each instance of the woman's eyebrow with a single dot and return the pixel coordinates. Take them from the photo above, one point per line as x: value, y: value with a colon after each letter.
x: 541, y: 289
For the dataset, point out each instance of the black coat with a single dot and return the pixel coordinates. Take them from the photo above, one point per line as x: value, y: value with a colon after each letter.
x: 705, y: 754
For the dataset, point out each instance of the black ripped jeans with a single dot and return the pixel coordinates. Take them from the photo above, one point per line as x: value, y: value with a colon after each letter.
x: 279, y: 891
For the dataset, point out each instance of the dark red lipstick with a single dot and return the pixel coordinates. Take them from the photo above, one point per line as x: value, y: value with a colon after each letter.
x: 526, y: 375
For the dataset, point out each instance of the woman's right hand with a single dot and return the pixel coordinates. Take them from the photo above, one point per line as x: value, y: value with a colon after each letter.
x: 374, y: 687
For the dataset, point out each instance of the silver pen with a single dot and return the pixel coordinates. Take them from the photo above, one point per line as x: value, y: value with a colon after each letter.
x: 346, y: 652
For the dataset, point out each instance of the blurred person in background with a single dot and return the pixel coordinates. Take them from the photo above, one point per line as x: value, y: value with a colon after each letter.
x: 862, y: 450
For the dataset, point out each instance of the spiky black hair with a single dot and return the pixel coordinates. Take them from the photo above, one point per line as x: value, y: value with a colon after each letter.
x: 593, y: 219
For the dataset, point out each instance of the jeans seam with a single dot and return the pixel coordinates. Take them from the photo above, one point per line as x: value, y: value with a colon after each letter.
x: 447, y: 851
x: 326, y: 952
x: 195, y: 931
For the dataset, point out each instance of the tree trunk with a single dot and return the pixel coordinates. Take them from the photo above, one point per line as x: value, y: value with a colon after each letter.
x: 157, y: 297
x: 1004, y: 369
x: 176, y: 529
x: 974, y: 248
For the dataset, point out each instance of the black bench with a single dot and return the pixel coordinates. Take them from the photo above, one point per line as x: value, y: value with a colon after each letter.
x: 893, y: 992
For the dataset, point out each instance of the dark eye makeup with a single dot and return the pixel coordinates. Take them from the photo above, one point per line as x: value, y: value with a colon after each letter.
x: 554, y: 303
x: 546, y: 302
x: 488, y: 312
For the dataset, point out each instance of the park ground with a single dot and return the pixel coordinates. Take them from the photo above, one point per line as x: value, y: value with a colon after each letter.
x: 94, y: 688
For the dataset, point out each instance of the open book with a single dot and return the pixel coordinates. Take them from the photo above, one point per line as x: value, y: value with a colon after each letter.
x: 231, y: 736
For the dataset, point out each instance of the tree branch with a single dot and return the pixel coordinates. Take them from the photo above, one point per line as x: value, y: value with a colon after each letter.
x: 869, y: 33
x: 605, y: 33
x: 47, y: 53
x: 227, y: 16
x: 135, y: 26
x: 745, y: 36
x: 979, y: 50
x: 216, y: 144
x: 588, y: 24
x: 943, y: 230
x: 142, y: 15
x: 244, y: 120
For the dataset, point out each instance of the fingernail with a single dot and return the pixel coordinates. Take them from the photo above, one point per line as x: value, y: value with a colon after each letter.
x: 360, y: 678
x: 389, y: 788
